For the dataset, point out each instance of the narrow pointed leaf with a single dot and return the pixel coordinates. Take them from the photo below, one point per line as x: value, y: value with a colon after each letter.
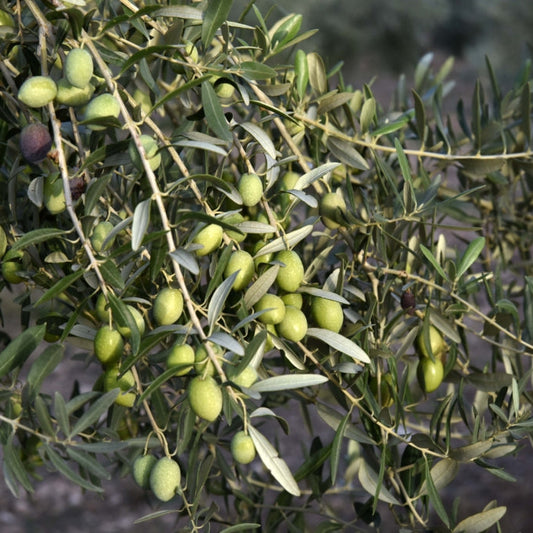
x: 288, y: 382
x: 480, y: 522
x: 370, y: 482
x: 141, y: 219
x: 340, y: 343
x: 214, y: 113
x: 43, y: 366
x: 470, y: 256
x: 95, y: 411
x: 277, y: 466
x: 432, y: 259
x: 218, y: 299
x: 215, y: 15
x: 19, y: 349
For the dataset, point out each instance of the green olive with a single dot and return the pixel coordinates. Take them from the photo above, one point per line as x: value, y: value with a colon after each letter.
x: 327, y: 313
x: 291, y: 273
x: 37, y: 91
x: 293, y: 327
x: 429, y: 373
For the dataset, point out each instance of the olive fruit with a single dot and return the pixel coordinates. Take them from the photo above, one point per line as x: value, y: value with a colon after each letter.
x: 327, y: 313
x: 150, y: 149
x: 104, y: 105
x: 293, y: 327
x: 78, y: 67
x: 242, y: 448
x: 234, y: 219
x: 293, y: 298
x: 165, y: 478
x: 142, y: 468
x: 6, y: 20
x: 436, y: 341
x: 35, y: 142
x: 68, y: 94
x: 246, y: 378
x: 385, y: 389
x: 168, y: 306
x: 205, y: 397
x: 125, y: 331
x: 37, y: 91
x: 3, y: 242
x: 202, y: 362
x: 241, y: 262
x: 332, y: 208
x: 181, y: 357
x: 273, y: 307
x: 54, y: 195
x: 124, y: 382
x: 101, y: 308
x: 99, y: 235
x: 10, y: 270
x: 291, y: 273
x: 408, y: 302
x: 429, y: 373
x: 108, y: 345
x: 251, y: 189
x: 209, y: 237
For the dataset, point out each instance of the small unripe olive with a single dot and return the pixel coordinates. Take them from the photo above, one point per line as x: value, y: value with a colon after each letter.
x: 168, y: 306
x: 104, y: 105
x: 35, y: 142
x: 293, y: 327
x: 101, y: 308
x: 210, y: 237
x: 243, y: 262
x: 108, y: 345
x: 429, y: 373
x: 182, y: 357
x: 436, y: 341
x: 68, y: 94
x: 125, y: 331
x: 205, y: 397
x: 78, y: 67
x: 203, y: 364
x: 142, y: 467
x: 275, y: 309
x: 332, y: 208
x: 242, y: 448
x: 251, y: 189
x: 165, y: 478
x: 327, y: 313
x: 234, y: 219
x: 10, y: 270
x: 150, y: 148
x: 293, y: 298
x: 99, y: 235
x: 37, y: 91
x: 291, y: 273
x: 125, y: 382
x: 54, y: 196
x: 246, y: 378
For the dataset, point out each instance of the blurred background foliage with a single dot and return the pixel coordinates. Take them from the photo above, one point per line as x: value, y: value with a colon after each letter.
x: 389, y: 36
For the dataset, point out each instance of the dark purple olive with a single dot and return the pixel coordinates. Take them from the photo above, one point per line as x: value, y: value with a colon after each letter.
x: 35, y: 142
x: 408, y: 302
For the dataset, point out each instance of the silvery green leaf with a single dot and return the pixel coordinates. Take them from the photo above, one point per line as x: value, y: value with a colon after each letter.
x: 370, y: 482
x: 261, y: 137
x: 321, y: 293
x: 307, y: 199
x: 289, y: 240
x: 36, y: 191
x: 203, y: 146
x: 442, y: 473
x: 218, y: 299
x: 251, y: 226
x: 340, y: 343
x: 277, y: 466
x: 480, y: 521
x: 313, y: 175
x: 288, y: 382
x: 141, y: 219
x: 260, y: 286
x: 226, y: 341
x: 186, y: 260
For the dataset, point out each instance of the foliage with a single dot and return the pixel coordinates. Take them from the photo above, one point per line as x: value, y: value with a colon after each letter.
x: 432, y: 233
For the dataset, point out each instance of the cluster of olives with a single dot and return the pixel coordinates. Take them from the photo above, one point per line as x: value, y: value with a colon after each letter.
x: 430, y: 370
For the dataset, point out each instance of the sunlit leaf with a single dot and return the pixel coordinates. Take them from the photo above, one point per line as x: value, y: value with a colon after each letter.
x: 340, y: 343
x: 288, y: 382
x: 276, y: 466
x: 141, y: 219
x: 480, y: 522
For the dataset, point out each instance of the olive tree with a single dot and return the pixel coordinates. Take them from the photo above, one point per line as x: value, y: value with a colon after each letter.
x: 284, y: 293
